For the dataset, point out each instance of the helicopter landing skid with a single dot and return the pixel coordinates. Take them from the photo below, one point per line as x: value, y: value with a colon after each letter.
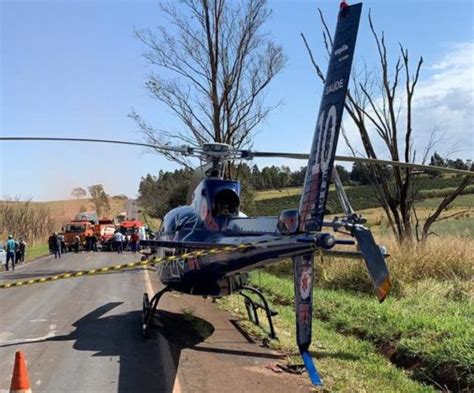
x: 252, y: 306
x: 149, y: 309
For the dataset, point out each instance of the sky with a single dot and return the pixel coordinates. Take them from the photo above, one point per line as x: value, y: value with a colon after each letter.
x: 75, y: 69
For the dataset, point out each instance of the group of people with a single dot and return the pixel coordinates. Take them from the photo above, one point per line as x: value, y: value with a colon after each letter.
x: 16, y: 251
x: 56, y: 244
x: 126, y: 241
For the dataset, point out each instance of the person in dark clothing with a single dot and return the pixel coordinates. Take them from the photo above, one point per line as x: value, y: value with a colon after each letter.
x: 63, y: 243
x: 22, y: 248
x: 11, y: 251
x: 88, y: 243
x: 51, y: 243
x: 125, y: 241
x: 77, y: 243
x: 56, y: 246
x: 17, y: 252
x: 94, y: 242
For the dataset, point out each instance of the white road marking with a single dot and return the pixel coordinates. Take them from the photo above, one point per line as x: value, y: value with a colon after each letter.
x: 150, y: 290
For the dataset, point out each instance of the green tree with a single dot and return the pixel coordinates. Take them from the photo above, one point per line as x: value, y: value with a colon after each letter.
x: 99, y: 198
x: 344, y: 175
x: 158, y: 195
x: 78, y: 192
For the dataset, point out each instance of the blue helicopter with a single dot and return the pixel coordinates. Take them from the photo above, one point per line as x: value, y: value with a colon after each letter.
x: 235, y: 243
x: 213, y: 220
x: 227, y: 244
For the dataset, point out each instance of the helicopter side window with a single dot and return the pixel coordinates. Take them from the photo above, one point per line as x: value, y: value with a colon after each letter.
x: 226, y: 203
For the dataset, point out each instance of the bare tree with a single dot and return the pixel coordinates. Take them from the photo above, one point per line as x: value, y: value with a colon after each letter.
x: 382, y: 101
x: 212, y: 71
x: 78, y: 192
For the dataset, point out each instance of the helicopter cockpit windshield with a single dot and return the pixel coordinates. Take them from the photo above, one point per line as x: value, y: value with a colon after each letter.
x: 226, y: 203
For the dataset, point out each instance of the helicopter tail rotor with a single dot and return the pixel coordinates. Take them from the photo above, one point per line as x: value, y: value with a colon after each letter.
x: 374, y: 260
x: 372, y: 253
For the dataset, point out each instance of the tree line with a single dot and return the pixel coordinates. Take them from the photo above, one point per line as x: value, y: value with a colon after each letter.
x: 161, y: 193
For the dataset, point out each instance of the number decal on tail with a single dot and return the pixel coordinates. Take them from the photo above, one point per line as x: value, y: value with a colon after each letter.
x: 323, y: 148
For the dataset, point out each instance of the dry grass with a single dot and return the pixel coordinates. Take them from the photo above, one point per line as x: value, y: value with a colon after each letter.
x: 35, y: 220
x: 64, y: 210
x: 442, y: 259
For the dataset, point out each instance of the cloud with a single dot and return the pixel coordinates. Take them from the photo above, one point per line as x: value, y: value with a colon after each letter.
x: 443, y: 100
x: 446, y: 99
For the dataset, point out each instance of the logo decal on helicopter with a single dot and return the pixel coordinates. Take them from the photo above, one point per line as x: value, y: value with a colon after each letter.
x: 305, y: 282
x: 318, y: 176
x: 304, y: 313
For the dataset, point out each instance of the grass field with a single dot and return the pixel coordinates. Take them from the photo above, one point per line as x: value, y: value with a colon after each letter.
x: 36, y: 251
x: 420, y: 339
x: 283, y: 192
x: 462, y: 201
x: 403, y: 345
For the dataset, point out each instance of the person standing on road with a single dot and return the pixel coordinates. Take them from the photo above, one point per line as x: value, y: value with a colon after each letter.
x: 88, y: 243
x: 11, y: 251
x: 22, y: 248
x: 134, y: 241
x: 94, y: 242
x: 118, y: 239
x: 51, y: 243
x: 77, y: 243
x: 56, y: 246
x: 17, y: 252
x: 63, y: 243
x: 125, y: 241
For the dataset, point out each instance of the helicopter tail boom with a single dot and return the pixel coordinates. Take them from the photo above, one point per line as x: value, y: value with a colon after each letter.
x: 319, y: 170
x: 323, y: 148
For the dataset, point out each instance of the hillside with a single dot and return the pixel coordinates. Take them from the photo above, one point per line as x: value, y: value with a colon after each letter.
x: 64, y: 210
x: 272, y: 202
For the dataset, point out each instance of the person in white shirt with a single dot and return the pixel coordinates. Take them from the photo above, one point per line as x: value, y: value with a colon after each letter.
x: 118, y: 239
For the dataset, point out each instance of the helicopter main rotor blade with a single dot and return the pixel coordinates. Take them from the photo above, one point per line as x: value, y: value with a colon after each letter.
x: 405, y: 165
x: 244, y: 154
x: 303, y: 156
x: 261, y: 154
x: 177, y: 149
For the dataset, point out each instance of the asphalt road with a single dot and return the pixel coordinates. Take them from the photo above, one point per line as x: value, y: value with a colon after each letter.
x: 84, y: 335
x: 131, y: 208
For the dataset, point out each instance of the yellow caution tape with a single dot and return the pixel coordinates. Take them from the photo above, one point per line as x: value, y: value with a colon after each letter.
x: 125, y: 266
